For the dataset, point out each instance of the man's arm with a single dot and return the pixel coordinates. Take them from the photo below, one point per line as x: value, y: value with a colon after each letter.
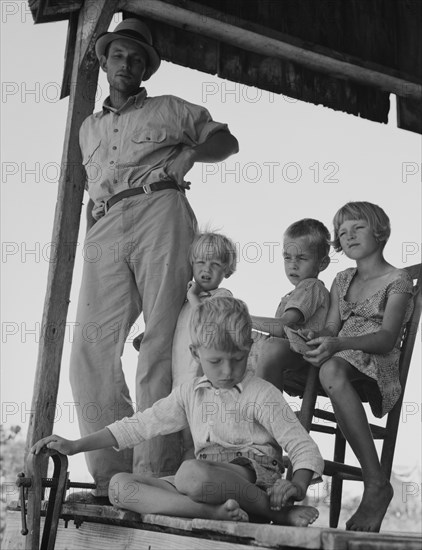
x: 216, y: 148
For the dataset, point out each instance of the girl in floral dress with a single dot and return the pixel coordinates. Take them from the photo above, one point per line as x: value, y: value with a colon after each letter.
x: 370, y: 305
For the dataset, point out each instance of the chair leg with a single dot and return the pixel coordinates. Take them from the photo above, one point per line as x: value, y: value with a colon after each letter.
x: 306, y: 412
x: 390, y: 438
x: 309, y: 399
x: 336, y: 481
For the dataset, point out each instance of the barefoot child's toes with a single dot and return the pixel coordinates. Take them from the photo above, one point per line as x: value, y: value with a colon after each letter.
x: 313, y: 514
x: 297, y: 516
x: 304, y: 515
x: 232, y: 511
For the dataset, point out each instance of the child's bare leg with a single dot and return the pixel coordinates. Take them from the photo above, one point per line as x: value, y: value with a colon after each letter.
x: 149, y: 495
x: 275, y: 357
x: 215, y: 482
x: 336, y: 376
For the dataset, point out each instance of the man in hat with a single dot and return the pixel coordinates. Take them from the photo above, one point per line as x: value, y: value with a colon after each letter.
x: 136, y: 153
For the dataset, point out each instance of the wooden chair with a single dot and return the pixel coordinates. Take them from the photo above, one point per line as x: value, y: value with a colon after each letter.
x: 337, y: 469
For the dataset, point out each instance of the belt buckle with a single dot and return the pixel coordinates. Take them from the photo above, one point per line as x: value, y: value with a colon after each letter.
x: 147, y: 189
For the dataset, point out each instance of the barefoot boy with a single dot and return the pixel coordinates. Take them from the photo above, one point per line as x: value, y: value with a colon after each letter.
x: 213, y: 258
x: 239, y: 425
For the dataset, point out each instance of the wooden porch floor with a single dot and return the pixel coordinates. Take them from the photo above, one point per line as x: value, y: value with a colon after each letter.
x: 106, y: 528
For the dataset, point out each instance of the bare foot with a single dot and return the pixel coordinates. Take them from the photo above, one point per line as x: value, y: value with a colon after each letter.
x: 375, y: 500
x: 297, y: 516
x: 231, y: 511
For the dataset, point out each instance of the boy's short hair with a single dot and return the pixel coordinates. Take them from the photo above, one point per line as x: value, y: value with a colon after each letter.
x: 373, y: 214
x: 318, y: 235
x: 221, y: 323
x: 209, y: 245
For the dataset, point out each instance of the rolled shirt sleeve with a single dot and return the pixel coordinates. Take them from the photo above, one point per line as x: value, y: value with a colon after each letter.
x: 166, y: 416
x: 198, y: 124
x: 283, y: 424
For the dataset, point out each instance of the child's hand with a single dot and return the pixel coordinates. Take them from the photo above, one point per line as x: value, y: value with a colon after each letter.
x: 327, y: 347
x: 307, y: 334
x: 55, y: 442
x: 193, y: 289
x: 298, y: 343
x: 283, y: 493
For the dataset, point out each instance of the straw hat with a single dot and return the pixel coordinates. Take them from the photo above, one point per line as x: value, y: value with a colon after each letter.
x: 135, y: 30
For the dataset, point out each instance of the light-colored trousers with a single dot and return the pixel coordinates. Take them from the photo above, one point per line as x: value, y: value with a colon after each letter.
x: 135, y: 260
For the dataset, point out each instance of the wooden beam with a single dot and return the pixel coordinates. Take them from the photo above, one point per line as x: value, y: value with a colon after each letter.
x: 208, y: 535
x: 277, y: 76
x: 94, y: 18
x: 69, y: 55
x: 253, y: 38
x: 257, y: 534
x: 43, y: 12
x: 409, y: 114
x: 408, y: 22
x: 337, y: 539
x: 102, y: 536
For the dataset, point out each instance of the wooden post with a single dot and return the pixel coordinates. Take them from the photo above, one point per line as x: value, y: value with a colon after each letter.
x: 94, y: 18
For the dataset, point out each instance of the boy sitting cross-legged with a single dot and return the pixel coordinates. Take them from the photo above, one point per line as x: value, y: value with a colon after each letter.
x: 239, y: 424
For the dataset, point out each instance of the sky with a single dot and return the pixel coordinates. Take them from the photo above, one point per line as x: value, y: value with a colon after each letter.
x: 296, y: 160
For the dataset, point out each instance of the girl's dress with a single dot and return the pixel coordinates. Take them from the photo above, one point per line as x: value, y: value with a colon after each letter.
x: 359, y: 318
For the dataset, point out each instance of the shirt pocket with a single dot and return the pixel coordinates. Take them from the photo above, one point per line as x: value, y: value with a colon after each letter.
x: 142, y: 146
x: 151, y: 136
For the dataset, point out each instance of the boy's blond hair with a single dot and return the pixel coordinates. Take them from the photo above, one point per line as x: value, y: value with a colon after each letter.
x: 221, y: 323
x: 210, y: 245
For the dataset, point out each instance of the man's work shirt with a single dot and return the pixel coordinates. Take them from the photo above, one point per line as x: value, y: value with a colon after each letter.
x: 133, y: 146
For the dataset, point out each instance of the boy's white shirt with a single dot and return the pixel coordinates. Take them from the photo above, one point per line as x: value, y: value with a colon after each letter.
x: 251, y: 417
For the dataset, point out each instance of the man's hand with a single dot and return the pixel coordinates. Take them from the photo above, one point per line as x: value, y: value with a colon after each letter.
x: 283, y: 493
x: 216, y: 148
x: 64, y: 446
x: 181, y: 166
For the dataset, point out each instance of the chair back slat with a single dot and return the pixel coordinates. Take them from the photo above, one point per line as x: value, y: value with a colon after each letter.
x: 415, y: 272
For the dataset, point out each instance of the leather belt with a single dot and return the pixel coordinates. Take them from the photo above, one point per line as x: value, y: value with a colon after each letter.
x: 230, y: 456
x: 146, y: 189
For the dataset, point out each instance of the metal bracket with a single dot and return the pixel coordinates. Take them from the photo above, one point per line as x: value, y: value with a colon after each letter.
x: 34, y: 484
